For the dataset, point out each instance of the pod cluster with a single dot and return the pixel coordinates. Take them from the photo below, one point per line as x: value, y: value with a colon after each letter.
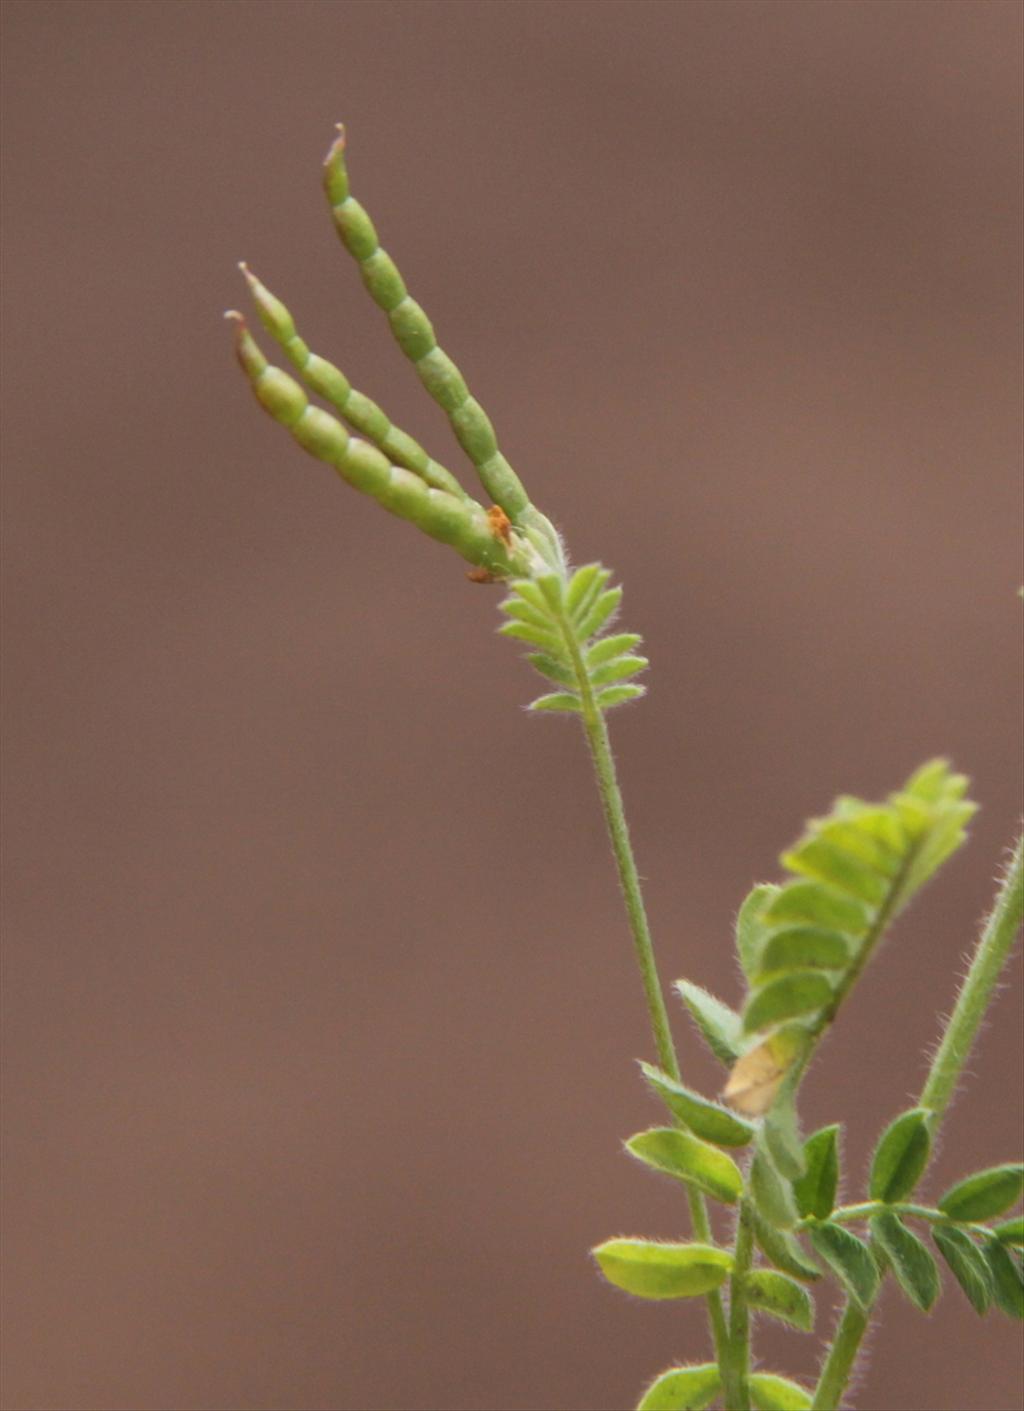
x: 507, y: 539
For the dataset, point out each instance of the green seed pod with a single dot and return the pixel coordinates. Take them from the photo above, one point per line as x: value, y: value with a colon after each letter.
x: 329, y: 382
x: 415, y: 336
x: 455, y: 520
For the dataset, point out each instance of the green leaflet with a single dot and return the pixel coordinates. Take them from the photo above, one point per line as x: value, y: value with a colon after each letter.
x: 815, y: 1190
x: 804, y: 947
x: 900, y: 1157
x: 651, y: 1269
x: 771, y: 1193
x: 914, y: 1267
x: 720, y: 1026
x: 769, y: 1392
x: 686, y: 1157
x: 751, y: 930
x: 789, y: 996
x: 781, y: 1134
x: 811, y: 904
x: 849, y: 1259
x: 1007, y: 1282
x: 682, y: 1389
x: 784, y: 1251
x: 565, y: 621
x: 1011, y: 1231
x: 706, y: 1119
x: 984, y: 1194
x: 781, y: 1297
x: 967, y: 1265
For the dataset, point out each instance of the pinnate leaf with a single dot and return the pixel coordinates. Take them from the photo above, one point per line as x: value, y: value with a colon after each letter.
x: 900, y: 1156
x: 815, y: 1190
x: 913, y: 1265
x: 984, y: 1194
x: 683, y: 1389
x: 849, y: 1259
x: 689, y: 1159
x: 651, y: 1269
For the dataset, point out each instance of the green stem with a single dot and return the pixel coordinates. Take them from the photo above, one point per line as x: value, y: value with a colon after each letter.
x: 841, y: 1357
x: 976, y: 995
x: 866, y: 1210
x: 736, y: 1368
x: 990, y: 956
x: 596, y: 731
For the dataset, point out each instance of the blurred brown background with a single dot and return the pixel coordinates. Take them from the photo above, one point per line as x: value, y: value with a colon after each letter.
x: 321, y: 1009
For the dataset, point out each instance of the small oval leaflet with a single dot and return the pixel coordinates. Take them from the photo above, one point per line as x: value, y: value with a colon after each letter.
x: 1011, y: 1231
x: 682, y: 1389
x: 689, y: 1159
x: 771, y: 1192
x: 705, y: 1118
x: 1007, y: 1281
x: 786, y: 997
x: 849, y: 1258
x: 720, y: 1026
x: 781, y: 1297
x: 815, y: 1191
x: 984, y: 1194
x: 784, y: 1251
x: 967, y: 1265
x: 900, y: 1156
x: 913, y: 1265
x: 651, y: 1269
x: 812, y: 904
x: 804, y: 947
x: 751, y: 930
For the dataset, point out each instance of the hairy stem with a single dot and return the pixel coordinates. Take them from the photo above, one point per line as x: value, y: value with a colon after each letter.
x: 596, y: 731
x: 976, y: 995
x: 990, y: 956
x: 736, y: 1367
x: 841, y: 1357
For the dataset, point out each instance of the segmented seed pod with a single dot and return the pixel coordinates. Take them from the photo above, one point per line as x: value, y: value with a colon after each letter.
x: 414, y: 334
x: 458, y: 521
x: 329, y: 382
